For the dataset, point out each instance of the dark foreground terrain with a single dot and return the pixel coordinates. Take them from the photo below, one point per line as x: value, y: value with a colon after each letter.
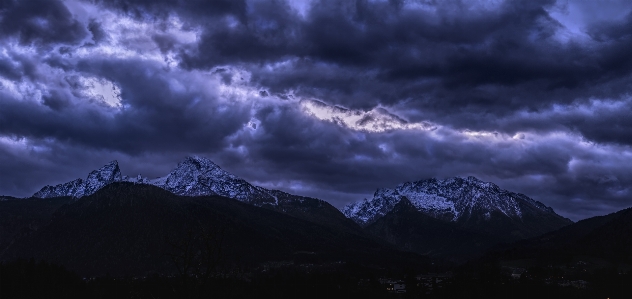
x: 29, y: 279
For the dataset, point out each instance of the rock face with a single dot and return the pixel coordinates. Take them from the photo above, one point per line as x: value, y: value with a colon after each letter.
x: 100, y: 178
x: 96, y: 180
x: 66, y: 189
x: 197, y: 176
x: 469, y: 202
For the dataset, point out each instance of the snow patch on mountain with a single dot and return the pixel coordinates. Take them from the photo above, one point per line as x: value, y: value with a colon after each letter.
x: 99, y: 178
x: 96, y: 180
x: 66, y: 189
x: 452, y: 199
x: 195, y: 176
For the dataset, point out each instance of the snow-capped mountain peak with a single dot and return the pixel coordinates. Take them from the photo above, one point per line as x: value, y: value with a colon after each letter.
x: 66, y: 189
x: 452, y: 199
x: 99, y: 178
x: 194, y: 176
x: 96, y: 180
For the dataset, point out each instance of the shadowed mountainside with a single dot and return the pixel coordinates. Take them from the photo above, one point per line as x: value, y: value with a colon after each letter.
x: 135, y: 229
x: 415, y: 231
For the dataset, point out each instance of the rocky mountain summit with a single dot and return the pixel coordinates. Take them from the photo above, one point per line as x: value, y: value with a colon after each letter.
x: 194, y: 176
x: 451, y: 199
x: 469, y: 202
x: 96, y: 180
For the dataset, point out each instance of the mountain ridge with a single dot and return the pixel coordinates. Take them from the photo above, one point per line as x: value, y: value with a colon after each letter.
x: 199, y: 176
x: 468, y: 202
x: 194, y: 176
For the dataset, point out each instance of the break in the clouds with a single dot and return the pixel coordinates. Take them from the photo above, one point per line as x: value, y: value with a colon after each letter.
x: 331, y: 99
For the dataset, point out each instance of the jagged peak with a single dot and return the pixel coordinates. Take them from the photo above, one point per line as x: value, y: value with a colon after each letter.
x: 113, y: 163
x: 198, y: 165
x: 447, y: 199
x: 404, y: 202
x: 109, y: 171
x: 199, y: 160
x: 384, y: 192
x: 470, y: 178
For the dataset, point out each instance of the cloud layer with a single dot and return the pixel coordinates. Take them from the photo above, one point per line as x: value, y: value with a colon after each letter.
x: 324, y: 98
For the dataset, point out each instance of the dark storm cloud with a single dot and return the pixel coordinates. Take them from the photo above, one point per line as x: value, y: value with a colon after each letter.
x: 155, y: 116
x: 186, y: 8
x: 39, y: 21
x: 492, y: 61
x: 395, y: 49
x: 444, y: 61
x: 514, y: 95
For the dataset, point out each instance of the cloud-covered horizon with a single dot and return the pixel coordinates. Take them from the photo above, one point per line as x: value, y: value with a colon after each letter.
x: 330, y: 99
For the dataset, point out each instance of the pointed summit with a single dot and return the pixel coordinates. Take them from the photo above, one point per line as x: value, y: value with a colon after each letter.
x: 198, y: 176
x: 96, y: 180
x: 99, y: 178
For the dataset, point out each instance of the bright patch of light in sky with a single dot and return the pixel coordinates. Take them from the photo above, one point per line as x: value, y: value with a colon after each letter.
x: 301, y: 6
x: 12, y: 142
x: 376, y: 120
x: 102, y: 90
x: 481, y: 134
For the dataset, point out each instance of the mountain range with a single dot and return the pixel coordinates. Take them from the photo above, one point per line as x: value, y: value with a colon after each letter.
x: 468, y: 203
x: 455, y: 219
x: 199, y: 176
x: 195, y: 176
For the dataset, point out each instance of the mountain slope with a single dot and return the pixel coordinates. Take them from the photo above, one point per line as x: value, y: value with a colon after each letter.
x: 469, y: 202
x: 133, y: 229
x: 413, y: 230
x: 606, y: 237
x: 23, y: 217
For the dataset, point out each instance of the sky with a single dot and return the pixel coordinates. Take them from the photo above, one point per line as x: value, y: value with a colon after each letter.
x: 329, y: 99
